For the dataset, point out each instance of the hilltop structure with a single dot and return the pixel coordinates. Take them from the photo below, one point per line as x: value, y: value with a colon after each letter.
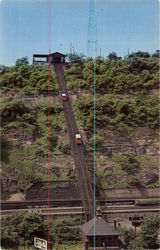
x: 41, y: 59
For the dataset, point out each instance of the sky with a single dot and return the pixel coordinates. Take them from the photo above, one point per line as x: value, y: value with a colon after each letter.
x: 30, y: 27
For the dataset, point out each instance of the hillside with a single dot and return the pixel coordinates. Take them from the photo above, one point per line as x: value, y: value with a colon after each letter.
x: 126, y: 110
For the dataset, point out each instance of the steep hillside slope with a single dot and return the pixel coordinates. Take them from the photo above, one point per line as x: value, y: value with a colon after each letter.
x: 126, y: 110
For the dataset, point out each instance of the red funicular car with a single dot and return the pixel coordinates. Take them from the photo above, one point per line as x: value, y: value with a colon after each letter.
x: 63, y: 97
x: 78, y: 139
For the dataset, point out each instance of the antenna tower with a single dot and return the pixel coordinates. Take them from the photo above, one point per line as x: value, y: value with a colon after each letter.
x: 92, y: 31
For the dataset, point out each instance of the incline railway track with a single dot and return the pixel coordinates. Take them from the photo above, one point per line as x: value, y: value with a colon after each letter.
x: 77, y: 150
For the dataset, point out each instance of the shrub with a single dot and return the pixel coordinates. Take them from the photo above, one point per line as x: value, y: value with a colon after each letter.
x: 135, y: 182
x: 65, y: 231
x: 95, y: 143
x: 16, y: 112
x: 129, y: 163
x: 53, y: 109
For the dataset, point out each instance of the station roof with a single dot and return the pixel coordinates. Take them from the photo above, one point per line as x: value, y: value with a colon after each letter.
x: 40, y: 55
x: 98, y: 227
x: 57, y: 53
x: 44, y: 55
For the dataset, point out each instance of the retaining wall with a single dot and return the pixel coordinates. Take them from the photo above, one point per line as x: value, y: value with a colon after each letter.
x: 132, y: 193
x: 62, y: 190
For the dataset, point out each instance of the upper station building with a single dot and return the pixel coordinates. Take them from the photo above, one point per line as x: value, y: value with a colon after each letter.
x: 42, y: 59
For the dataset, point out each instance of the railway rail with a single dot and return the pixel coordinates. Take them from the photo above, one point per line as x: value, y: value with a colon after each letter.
x: 6, y: 205
x: 77, y: 150
x: 27, y: 204
x: 70, y: 211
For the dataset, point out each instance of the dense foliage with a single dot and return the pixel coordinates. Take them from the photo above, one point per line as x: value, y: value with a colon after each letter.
x: 21, y: 229
x: 125, y: 84
x: 66, y: 231
x: 15, y: 114
x: 28, y: 78
x: 147, y: 238
x: 115, y: 112
x: 129, y: 75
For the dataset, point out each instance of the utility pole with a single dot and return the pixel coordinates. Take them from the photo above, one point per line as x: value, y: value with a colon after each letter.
x: 136, y: 222
x: 70, y: 48
x: 100, y: 52
x: 128, y: 52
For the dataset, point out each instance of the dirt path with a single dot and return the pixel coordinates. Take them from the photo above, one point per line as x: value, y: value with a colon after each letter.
x: 16, y: 197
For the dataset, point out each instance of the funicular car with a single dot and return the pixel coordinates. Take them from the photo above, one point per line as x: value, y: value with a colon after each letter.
x: 78, y: 139
x: 63, y: 97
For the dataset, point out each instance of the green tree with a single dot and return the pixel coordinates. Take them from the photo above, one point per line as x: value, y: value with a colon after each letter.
x: 6, y: 232
x: 65, y: 231
x: 138, y: 244
x: 22, y: 61
x: 21, y: 229
x: 16, y: 114
x: 75, y: 57
x: 3, y: 69
x: 139, y: 54
x: 41, y: 144
x: 5, y: 147
x: 127, y: 235
x: 129, y: 163
x: 156, y: 54
x: 31, y: 225
x: 113, y: 56
x: 147, y: 237
x: 149, y: 231
x: 98, y: 140
x: 135, y: 182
